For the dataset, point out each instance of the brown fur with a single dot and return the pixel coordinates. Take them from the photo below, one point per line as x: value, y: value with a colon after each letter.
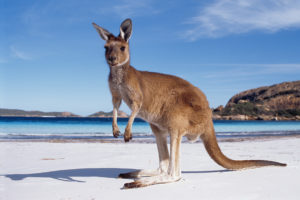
x: 171, y: 105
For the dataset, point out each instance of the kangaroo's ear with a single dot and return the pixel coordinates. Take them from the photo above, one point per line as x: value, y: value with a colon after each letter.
x: 126, y: 29
x: 102, y: 32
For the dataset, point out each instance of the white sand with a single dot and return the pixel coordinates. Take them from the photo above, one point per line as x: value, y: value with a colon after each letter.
x: 63, y: 171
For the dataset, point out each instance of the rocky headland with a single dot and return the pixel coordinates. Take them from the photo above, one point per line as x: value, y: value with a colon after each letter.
x: 275, y: 102
x: 108, y: 114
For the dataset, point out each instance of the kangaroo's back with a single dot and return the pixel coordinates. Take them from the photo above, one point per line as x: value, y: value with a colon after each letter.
x: 166, y: 95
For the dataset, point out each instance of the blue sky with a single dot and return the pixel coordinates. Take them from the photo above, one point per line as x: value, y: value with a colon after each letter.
x: 52, y: 59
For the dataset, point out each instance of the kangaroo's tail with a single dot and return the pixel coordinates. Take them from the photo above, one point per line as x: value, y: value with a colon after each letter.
x: 213, y: 149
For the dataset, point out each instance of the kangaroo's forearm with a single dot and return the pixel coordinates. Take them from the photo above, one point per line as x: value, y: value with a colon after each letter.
x: 116, y: 103
x: 115, y: 116
x: 135, y: 109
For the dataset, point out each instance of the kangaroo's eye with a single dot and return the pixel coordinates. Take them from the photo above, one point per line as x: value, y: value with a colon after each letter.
x: 122, y: 48
x: 106, y: 48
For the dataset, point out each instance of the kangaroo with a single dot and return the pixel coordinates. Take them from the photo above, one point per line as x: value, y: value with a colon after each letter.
x: 172, y: 106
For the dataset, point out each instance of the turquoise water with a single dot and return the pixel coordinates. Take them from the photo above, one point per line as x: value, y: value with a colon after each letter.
x: 35, y: 127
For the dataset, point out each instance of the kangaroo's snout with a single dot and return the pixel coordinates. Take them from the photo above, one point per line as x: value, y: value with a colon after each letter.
x: 112, y: 58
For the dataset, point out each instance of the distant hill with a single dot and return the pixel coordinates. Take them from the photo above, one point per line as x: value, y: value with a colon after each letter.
x: 108, y: 114
x: 23, y: 113
x: 275, y: 102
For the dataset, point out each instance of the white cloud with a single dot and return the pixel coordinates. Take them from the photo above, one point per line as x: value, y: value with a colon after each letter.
x: 224, y: 17
x: 16, y: 53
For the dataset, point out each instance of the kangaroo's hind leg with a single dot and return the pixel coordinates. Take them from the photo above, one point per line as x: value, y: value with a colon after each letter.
x: 173, y: 174
x: 163, y: 153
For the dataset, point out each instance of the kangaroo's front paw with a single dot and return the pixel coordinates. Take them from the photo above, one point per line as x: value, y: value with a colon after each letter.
x: 116, y: 133
x: 127, y: 136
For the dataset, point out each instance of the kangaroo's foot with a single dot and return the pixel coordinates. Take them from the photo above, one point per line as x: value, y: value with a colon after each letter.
x: 147, y: 181
x: 140, y: 173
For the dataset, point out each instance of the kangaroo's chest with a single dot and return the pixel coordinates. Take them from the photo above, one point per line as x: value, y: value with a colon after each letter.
x: 119, y: 84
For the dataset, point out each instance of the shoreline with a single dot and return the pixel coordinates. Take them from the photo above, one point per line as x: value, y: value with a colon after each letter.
x: 147, y: 140
x: 233, y: 118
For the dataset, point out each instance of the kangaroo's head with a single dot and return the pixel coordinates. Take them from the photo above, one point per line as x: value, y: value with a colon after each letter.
x: 116, y: 48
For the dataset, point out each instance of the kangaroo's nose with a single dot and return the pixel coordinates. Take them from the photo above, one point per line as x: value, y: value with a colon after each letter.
x: 112, y: 58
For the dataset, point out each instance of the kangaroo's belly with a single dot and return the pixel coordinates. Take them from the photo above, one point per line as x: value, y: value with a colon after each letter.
x: 149, y: 117
x: 126, y: 98
x: 129, y: 96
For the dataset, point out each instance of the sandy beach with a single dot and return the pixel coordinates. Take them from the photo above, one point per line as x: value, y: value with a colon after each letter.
x: 84, y: 170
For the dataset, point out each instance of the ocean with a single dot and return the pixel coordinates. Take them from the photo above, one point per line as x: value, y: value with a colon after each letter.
x: 16, y: 128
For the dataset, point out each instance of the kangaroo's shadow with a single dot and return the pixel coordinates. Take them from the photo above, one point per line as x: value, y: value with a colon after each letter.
x: 69, y: 174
